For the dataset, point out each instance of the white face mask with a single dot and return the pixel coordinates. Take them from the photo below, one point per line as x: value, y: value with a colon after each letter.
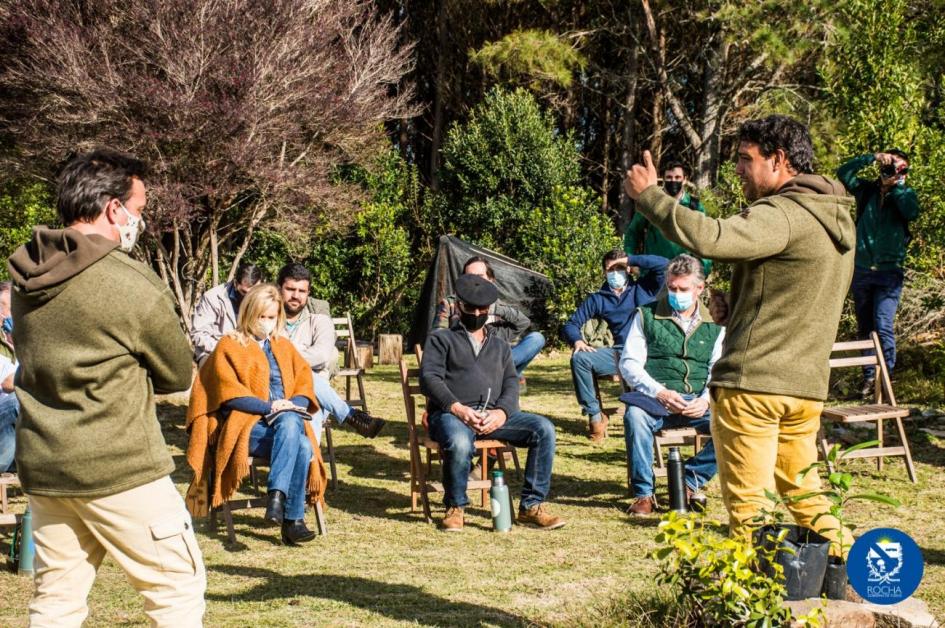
x: 267, y: 326
x: 130, y: 230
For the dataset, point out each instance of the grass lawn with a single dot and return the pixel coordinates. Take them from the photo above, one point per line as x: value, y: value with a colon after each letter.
x: 382, y: 565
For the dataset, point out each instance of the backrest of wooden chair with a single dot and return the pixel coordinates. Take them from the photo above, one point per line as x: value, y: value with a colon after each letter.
x: 877, y: 360
x: 410, y: 386
x: 344, y: 328
x: 418, y: 351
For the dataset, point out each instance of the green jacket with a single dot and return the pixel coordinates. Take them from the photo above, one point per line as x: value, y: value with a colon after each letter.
x: 97, y: 336
x: 882, y: 222
x: 793, y: 260
x: 654, y: 242
x: 677, y: 361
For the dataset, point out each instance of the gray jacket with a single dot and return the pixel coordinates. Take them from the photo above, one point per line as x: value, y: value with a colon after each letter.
x: 213, y: 317
x: 505, y: 321
x: 313, y: 334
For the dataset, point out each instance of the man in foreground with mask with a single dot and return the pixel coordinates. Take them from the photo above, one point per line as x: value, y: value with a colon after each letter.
x: 667, y: 361
x: 469, y: 379
x: 90, y: 453
x: 675, y: 179
x: 792, y: 253
x: 615, y: 303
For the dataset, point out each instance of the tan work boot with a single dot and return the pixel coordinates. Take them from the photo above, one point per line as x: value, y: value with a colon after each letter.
x: 453, y: 521
x: 597, y: 430
x: 538, y: 517
x: 642, y: 506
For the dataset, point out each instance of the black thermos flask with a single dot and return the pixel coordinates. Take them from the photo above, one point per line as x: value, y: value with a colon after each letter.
x: 677, y: 483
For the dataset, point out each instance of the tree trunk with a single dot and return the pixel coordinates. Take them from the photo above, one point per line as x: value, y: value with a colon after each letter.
x: 436, y: 139
x: 713, y: 110
x: 605, y: 177
x: 628, y: 132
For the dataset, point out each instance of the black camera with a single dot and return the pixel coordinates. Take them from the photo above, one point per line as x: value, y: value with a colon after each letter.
x: 889, y: 170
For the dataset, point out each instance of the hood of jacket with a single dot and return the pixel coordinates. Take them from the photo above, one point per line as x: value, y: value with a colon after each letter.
x: 828, y: 202
x: 40, y: 268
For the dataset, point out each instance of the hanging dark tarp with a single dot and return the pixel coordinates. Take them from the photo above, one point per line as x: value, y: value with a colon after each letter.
x: 518, y: 286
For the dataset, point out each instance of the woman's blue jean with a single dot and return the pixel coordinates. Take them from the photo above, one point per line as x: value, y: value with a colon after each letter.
x: 522, y: 429
x: 289, y: 452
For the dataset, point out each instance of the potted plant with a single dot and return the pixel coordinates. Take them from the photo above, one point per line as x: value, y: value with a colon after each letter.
x: 839, y: 490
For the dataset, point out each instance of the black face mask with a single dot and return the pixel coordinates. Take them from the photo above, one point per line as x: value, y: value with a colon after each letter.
x: 672, y: 187
x: 473, y: 322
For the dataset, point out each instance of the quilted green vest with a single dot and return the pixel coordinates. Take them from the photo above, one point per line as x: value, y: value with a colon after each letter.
x: 679, y: 363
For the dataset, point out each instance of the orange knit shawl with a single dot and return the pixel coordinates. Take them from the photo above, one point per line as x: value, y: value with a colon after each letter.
x: 232, y: 371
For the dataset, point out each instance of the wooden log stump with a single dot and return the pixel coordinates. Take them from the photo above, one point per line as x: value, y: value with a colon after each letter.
x: 390, y: 348
x: 365, y: 354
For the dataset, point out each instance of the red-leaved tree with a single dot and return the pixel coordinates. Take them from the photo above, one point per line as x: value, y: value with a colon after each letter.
x: 244, y: 109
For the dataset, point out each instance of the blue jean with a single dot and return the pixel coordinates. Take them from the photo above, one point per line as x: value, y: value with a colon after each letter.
x: 9, y: 411
x: 525, y: 351
x: 521, y: 429
x: 876, y: 298
x: 639, y: 431
x: 330, y: 404
x: 584, y: 366
x: 289, y: 452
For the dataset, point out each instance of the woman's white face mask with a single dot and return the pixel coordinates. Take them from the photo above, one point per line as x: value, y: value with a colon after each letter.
x: 267, y: 326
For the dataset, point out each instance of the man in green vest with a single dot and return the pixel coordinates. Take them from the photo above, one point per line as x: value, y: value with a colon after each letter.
x: 667, y: 361
x: 675, y: 178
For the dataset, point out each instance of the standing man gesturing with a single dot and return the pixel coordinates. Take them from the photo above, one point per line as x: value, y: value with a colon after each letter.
x: 97, y: 336
x: 792, y: 251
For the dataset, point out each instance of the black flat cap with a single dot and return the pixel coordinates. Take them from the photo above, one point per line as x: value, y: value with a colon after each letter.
x: 475, y: 291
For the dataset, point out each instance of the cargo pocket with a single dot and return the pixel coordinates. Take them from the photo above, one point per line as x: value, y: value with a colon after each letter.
x: 175, y: 544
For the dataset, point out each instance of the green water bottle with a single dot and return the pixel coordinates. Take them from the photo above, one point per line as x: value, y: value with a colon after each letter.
x: 26, y: 548
x: 501, y: 504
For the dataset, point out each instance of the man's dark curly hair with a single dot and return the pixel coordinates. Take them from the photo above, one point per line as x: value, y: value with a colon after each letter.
x: 777, y: 131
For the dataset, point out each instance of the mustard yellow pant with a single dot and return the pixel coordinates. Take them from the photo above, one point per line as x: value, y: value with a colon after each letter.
x: 761, y: 442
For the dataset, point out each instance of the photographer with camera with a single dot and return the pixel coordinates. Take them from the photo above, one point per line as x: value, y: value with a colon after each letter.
x: 884, y: 208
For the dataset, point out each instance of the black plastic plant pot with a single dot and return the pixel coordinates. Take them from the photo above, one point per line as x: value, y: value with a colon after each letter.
x: 802, y: 555
x: 835, y: 580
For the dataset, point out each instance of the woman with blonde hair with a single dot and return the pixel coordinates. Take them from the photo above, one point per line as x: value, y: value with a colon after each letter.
x: 253, y: 397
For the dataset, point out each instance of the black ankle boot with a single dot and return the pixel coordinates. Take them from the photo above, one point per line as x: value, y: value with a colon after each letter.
x: 295, y: 532
x: 275, y: 507
x: 364, y: 424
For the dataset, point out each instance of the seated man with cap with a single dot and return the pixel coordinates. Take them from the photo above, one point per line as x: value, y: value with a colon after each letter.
x: 667, y: 360
x: 469, y: 379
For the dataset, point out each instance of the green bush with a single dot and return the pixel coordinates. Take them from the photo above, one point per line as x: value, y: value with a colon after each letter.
x: 718, y: 580
x: 566, y: 240
x: 511, y: 182
x: 22, y: 206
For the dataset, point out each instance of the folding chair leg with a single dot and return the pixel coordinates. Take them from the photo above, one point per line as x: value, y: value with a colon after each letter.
x: 518, y: 467
x: 501, y: 460
x: 363, y: 397
x: 254, y: 478
x: 484, y: 475
x: 333, y: 482
x: 228, y: 517
x: 879, y: 438
x: 905, y: 445
x: 824, y: 447
x: 320, y: 519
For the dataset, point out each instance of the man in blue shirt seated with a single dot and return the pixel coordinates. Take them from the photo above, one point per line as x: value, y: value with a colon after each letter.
x: 667, y: 360
x: 615, y: 303
x: 470, y: 382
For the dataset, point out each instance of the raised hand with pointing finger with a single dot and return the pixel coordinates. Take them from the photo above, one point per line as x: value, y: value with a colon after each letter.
x: 640, y: 177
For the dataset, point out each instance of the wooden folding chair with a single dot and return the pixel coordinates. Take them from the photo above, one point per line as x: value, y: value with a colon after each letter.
x: 7, y: 516
x: 882, y: 409
x: 420, y: 484
x: 243, y: 503
x: 352, y: 369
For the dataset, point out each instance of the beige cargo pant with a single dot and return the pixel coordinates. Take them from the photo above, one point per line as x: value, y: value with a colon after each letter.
x: 146, y: 530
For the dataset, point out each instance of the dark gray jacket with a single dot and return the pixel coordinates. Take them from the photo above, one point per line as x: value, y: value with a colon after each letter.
x: 451, y: 372
x: 507, y: 322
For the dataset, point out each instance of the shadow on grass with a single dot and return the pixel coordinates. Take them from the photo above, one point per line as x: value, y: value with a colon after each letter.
x: 399, y: 602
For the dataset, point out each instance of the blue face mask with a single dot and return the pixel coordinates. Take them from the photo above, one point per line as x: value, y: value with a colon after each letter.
x: 617, y: 279
x: 8, y: 324
x: 680, y: 301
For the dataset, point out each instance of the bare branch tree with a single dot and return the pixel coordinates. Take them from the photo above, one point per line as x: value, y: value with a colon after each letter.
x: 244, y: 108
